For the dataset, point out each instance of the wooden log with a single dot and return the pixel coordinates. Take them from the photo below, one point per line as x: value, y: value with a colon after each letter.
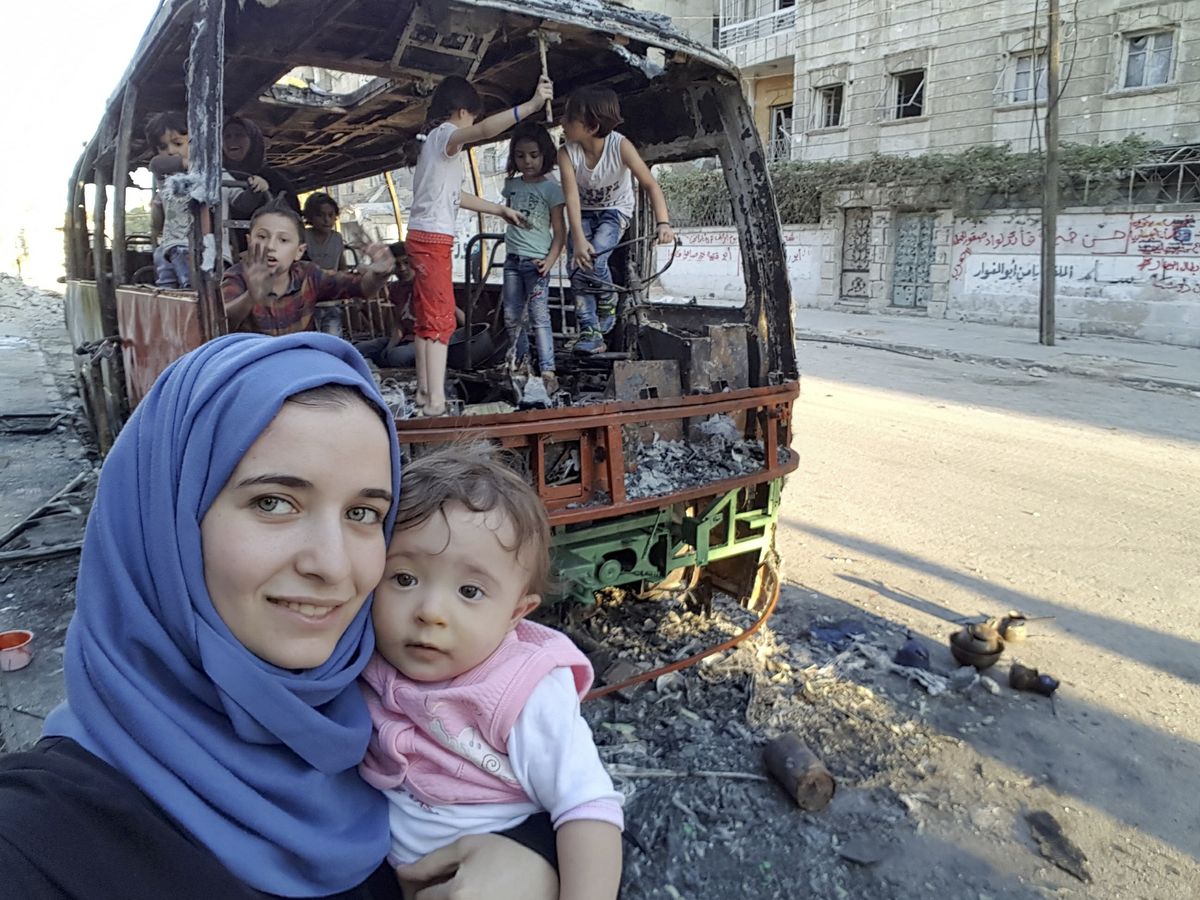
x: 800, y: 772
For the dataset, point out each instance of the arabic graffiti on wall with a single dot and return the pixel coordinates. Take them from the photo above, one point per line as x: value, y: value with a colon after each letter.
x: 708, y: 263
x: 1096, y: 254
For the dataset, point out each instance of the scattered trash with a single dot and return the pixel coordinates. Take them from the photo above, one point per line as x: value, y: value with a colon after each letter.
x: 913, y: 654
x: 800, y: 772
x: 1056, y: 846
x: 989, y: 685
x: 932, y: 683
x: 720, y: 426
x: 623, y: 670
x: 1024, y: 678
x: 840, y: 634
x: 1012, y: 627
x: 964, y: 679
x: 978, y: 645
x: 665, y: 467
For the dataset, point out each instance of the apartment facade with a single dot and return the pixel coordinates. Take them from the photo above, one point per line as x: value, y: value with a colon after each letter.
x: 842, y: 79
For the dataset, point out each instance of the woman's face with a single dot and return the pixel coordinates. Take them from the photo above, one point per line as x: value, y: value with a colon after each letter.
x: 235, y: 142
x: 294, y: 542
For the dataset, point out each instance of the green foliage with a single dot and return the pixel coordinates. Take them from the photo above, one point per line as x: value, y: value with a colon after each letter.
x: 979, y: 178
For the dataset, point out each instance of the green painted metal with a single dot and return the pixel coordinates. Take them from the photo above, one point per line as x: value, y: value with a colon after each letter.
x: 649, y: 546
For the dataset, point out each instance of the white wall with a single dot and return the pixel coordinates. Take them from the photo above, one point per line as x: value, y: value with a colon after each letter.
x: 708, y: 265
x: 1128, y: 274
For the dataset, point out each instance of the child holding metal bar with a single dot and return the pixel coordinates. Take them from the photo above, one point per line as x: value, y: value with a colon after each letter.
x: 437, y: 197
x: 476, y: 712
x: 533, y: 250
x: 598, y: 166
x: 171, y: 212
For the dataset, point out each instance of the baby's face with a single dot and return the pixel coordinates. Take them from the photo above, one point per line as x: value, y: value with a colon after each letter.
x: 450, y: 593
x: 173, y: 143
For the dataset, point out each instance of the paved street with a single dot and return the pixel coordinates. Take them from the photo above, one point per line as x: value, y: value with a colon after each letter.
x: 932, y: 489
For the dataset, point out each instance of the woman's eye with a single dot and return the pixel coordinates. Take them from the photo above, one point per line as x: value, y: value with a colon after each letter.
x: 470, y: 592
x: 364, y: 515
x: 274, y: 506
x: 403, y: 579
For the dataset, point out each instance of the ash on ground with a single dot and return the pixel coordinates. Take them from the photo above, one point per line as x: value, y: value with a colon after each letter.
x: 703, y: 819
x: 666, y: 467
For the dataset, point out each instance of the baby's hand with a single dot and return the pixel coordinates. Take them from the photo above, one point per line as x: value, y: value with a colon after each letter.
x: 512, y: 217
x: 257, y: 183
x: 544, y: 92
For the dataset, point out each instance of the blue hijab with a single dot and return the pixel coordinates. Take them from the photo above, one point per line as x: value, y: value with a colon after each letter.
x: 258, y: 763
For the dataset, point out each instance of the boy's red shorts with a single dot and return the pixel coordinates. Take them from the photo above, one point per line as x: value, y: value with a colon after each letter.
x: 433, y: 284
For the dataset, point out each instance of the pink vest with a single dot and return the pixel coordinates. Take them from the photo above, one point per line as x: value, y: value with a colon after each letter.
x: 447, y: 742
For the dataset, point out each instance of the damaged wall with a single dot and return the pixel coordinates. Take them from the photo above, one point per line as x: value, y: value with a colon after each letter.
x: 1129, y: 273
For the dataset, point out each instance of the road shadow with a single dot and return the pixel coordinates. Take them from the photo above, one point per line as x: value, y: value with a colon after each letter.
x: 1168, y: 653
x: 1129, y: 770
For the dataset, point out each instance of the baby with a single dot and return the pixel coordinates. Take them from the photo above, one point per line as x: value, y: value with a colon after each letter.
x: 476, y: 715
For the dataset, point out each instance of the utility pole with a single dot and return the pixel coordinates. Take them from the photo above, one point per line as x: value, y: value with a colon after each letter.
x: 1050, y: 184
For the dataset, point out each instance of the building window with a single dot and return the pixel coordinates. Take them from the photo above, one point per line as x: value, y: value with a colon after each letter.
x: 781, y: 132
x: 1029, y: 77
x: 1148, y: 59
x: 829, y: 106
x: 910, y: 94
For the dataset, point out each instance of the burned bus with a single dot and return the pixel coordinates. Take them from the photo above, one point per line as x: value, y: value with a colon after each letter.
x: 663, y: 459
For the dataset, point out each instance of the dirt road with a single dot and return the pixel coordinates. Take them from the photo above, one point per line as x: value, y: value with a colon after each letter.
x: 933, y: 490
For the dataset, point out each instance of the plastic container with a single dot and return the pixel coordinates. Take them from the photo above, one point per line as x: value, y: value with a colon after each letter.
x: 16, y: 650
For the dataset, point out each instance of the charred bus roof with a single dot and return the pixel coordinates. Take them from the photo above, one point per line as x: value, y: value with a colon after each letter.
x: 403, y: 49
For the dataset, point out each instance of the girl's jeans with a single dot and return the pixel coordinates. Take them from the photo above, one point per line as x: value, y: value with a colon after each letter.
x: 523, y: 285
x: 595, y: 307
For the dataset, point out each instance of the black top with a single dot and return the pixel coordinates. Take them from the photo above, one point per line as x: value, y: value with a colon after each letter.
x: 72, y: 826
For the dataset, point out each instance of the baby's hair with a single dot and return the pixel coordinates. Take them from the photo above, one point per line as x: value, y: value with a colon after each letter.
x: 278, y: 206
x: 317, y: 199
x: 537, y: 133
x: 595, y: 107
x: 162, y: 122
x: 452, y: 94
x: 473, y: 475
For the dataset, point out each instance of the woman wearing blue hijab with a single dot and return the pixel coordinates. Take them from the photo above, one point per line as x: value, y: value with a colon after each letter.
x: 209, y: 741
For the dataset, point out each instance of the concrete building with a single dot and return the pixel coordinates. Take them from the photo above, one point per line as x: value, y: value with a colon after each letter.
x: 846, y: 79
x: 842, y: 79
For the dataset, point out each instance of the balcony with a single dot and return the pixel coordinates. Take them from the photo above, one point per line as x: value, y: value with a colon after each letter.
x: 760, y: 43
x: 755, y: 29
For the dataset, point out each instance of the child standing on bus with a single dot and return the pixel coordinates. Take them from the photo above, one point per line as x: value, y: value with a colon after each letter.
x: 437, y: 197
x: 477, y: 725
x: 325, y: 248
x: 597, y: 166
x: 533, y: 250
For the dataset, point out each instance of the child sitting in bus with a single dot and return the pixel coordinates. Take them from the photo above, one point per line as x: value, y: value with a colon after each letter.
x: 597, y: 166
x: 476, y: 715
x: 533, y: 250
x: 273, y: 292
x: 437, y: 196
x: 325, y: 248
x: 171, y: 212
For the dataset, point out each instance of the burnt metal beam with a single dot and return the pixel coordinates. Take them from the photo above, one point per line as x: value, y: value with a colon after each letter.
x: 206, y: 60
x: 768, y: 293
x: 120, y: 180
